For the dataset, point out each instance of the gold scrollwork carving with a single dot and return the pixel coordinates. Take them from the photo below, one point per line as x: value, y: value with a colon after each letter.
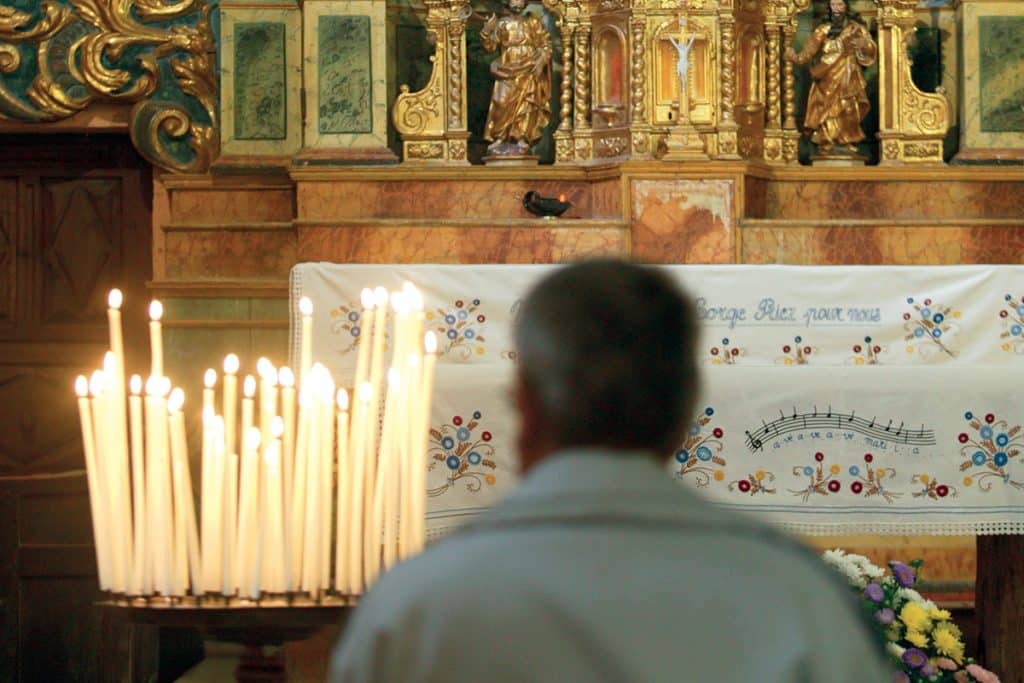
x: 773, y: 149
x: 924, y: 113
x: 641, y: 143
x: 563, y: 148
x: 584, y: 149
x: 891, y: 150
x: 611, y: 147
x: 90, y: 40
x: 457, y: 150
x: 425, y: 150
x: 921, y: 150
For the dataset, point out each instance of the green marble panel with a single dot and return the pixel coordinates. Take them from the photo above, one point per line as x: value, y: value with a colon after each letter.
x: 1001, y: 71
x: 344, y: 71
x: 259, y: 73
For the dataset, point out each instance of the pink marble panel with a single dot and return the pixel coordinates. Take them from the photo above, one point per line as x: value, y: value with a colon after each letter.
x: 229, y: 254
x: 231, y: 203
x: 683, y: 221
x: 458, y: 245
x: 836, y: 245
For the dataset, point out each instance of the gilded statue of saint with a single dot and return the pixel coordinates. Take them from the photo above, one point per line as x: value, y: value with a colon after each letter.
x: 520, y: 104
x: 838, y: 100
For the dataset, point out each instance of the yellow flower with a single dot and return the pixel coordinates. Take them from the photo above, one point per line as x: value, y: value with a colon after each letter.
x: 910, y: 349
x: 788, y: 361
x: 924, y: 478
x: 858, y: 361
x: 880, y: 473
x: 968, y: 481
x: 939, y: 614
x: 719, y: 475
x: 1005, y: 346
x: 948, y: 644
x: 759, y: 475
x: 956, y: 314
x: 893, y: 632
x: 915, y: 617
x: 917, y: 638
x: 834, y: 469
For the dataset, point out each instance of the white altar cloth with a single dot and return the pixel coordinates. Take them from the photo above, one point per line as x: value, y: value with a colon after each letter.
x: 835, y: 399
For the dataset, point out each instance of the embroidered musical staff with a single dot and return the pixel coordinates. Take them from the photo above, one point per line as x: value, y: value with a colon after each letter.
x: 798, y: 422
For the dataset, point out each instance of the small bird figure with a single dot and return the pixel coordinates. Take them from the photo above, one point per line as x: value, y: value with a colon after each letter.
x: 546, y: 207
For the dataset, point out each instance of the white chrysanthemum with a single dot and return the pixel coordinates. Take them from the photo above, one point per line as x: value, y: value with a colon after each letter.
x: 895, y: 650
x: 846, y: 565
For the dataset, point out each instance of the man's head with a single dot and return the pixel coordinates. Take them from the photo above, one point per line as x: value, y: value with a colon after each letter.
x: 516, y: 6
x: 606, y: 358
x: 836, y: 16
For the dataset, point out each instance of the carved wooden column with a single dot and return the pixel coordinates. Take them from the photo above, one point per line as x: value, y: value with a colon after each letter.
x: 458, y: 132
x: 584, y: 145
x: 911, y: 123
x: 639, y: 125
x: 773, y: 122
x: 790, y: 134
x: 563, y: 135
x: 727, y: 126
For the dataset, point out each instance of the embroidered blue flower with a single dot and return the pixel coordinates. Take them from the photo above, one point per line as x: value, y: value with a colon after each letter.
x: 476, y: 302
x: 938, y: 318
x: 854, y: 470
x: 910, y: 299
x: 985, y: 431
x: 1020, y: 310
x: 474, y: 458
x: 704, y: 453
x: 448, y: 443
x: 725, y: 340
x: 452, y: 334
x: 1002, y: 440
x: 450, y: 319
x: 469, y: 334
x: 808, y: 470
x: 1000, y: 459
x: 968, y: 415
x: 476, y: 414
x: 979, y: 458
x: 709, y: 411
x: 1015, y: 330
x: 798, y: 339
x: 694, y: 429
x: 462, y: 433
x: 453, y: 462
x: 926, y: 313
x: 354, y: 331
x: 918, y: 332
x: 682, y: 455
x: 463, y: 315
x: 353, y: 316
x: 936, y: 333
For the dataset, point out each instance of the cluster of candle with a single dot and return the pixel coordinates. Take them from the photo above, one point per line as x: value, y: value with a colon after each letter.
x: 298, y: 493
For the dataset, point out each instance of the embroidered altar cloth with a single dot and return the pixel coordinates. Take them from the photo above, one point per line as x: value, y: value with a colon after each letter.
x: 835, y: 400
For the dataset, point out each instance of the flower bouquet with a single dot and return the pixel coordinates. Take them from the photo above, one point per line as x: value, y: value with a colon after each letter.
x: 924, y: 643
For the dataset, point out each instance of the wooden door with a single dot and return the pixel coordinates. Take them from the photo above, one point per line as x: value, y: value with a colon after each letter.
x: 74, y: 222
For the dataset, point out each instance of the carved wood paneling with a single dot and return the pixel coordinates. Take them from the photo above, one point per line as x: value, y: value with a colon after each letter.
x: 8, y: 246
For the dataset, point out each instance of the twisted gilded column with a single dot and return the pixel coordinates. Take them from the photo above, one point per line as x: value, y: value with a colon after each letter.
x: 728, y: 129
x: 455, y: 32
x: 772, y: 73
x: 789, y: 87
x: 582, y: 67
x: 638, y: 85
x: 563, y: 134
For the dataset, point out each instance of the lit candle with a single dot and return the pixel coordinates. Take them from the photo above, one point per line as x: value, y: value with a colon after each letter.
x: 410, y: 398
x: 138, y: 584
x: 306, y: 342
x: 422, y: 435
x: 376, y: 375
x: 381, y: 509
x: 311, y: 533
x: 326, y: 476
x: 118, y: 437
x: 344, y: 493
x: 158, y: 514
x: 208, y: 579
x: 357, y: 506
x: 99, y: 534
x: 179, y: 455
x: 297, y: 522
x: 217, y: 509
x: 287, y: 381
x: 156, y: 340
x: 228, y: 568
x: 247, y: 550
x: 365, y: 336
x: 115, y: 472
x: 274, y: 549
x: 230, y: 410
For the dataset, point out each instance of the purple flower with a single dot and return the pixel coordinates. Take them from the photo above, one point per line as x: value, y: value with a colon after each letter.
x: 929, y: 670
x: 873, y: 592
x: 914, y: 658
x: 885, y: 616
x: 904, y: 574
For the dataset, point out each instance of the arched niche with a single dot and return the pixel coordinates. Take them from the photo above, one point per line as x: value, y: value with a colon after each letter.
x: 610, y: 77
x: 750, y: 74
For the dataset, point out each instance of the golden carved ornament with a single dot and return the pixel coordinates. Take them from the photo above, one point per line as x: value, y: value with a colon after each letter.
x: 89, y: 41
x: 424, y: 150
x: 611, y: 147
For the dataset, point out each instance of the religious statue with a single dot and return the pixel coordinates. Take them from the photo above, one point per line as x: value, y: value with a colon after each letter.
x: 838, y: 100
x: 520, y: 104
x: 683, y: 63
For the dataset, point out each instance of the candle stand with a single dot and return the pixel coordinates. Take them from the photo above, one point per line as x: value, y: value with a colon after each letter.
x: 254, y: 624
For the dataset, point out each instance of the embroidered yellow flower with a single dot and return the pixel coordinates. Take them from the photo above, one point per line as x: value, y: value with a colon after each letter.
x: 915, y: 617
x: 947, y: 643
x: 917, y: 638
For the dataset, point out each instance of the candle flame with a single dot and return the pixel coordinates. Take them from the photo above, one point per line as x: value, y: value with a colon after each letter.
x: 164, y: 386
x: 430, y: 342
x: 81, y: 386
x: 158, y: 386
x: 416, y: 299
x: 380, y: 296
x: 156, y: 310
x: 209, y: 378
x: 342, y: 400
x: 394, y: 377
x: 365, y: 392
x: 115, y: 298
x: 398, y: 302
x: 231, y: 364
x: 366, y: 297
x: 135, y: 385
x: 305, y: 395
x: 97, y: 383
x: 249, y: 386
x: 561, y: 197
x: 286, y: 377
x: 266, y: 371
x: 176, y: 400
x: 413, y: 360
x: 306, y: 306
x: 252, y: 438
x: 277, y: 427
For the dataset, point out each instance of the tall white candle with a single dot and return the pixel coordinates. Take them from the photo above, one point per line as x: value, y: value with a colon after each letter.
x: 230, y: 410
x: 422, y: 435
x: 95, y: 508
x: 156, y: 339
x: 313, y: 508
x: 357, y: 507
x: 189, y: 556
x: 115, y: 472
x: 114, y: 369
x: 138, y: 586
x: 247, y: 548
x: 158, y: 514
x: 306, y: 341
x: 231, y: 524
x: 326, y: 481
x: 344, y: 467
x: 376, y: 375
x: 208, y: 580
x: 365, y: 336
x: 410, y: 397
x: 273, y: 555
x: 287, y: 381
x: 297, y: 521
